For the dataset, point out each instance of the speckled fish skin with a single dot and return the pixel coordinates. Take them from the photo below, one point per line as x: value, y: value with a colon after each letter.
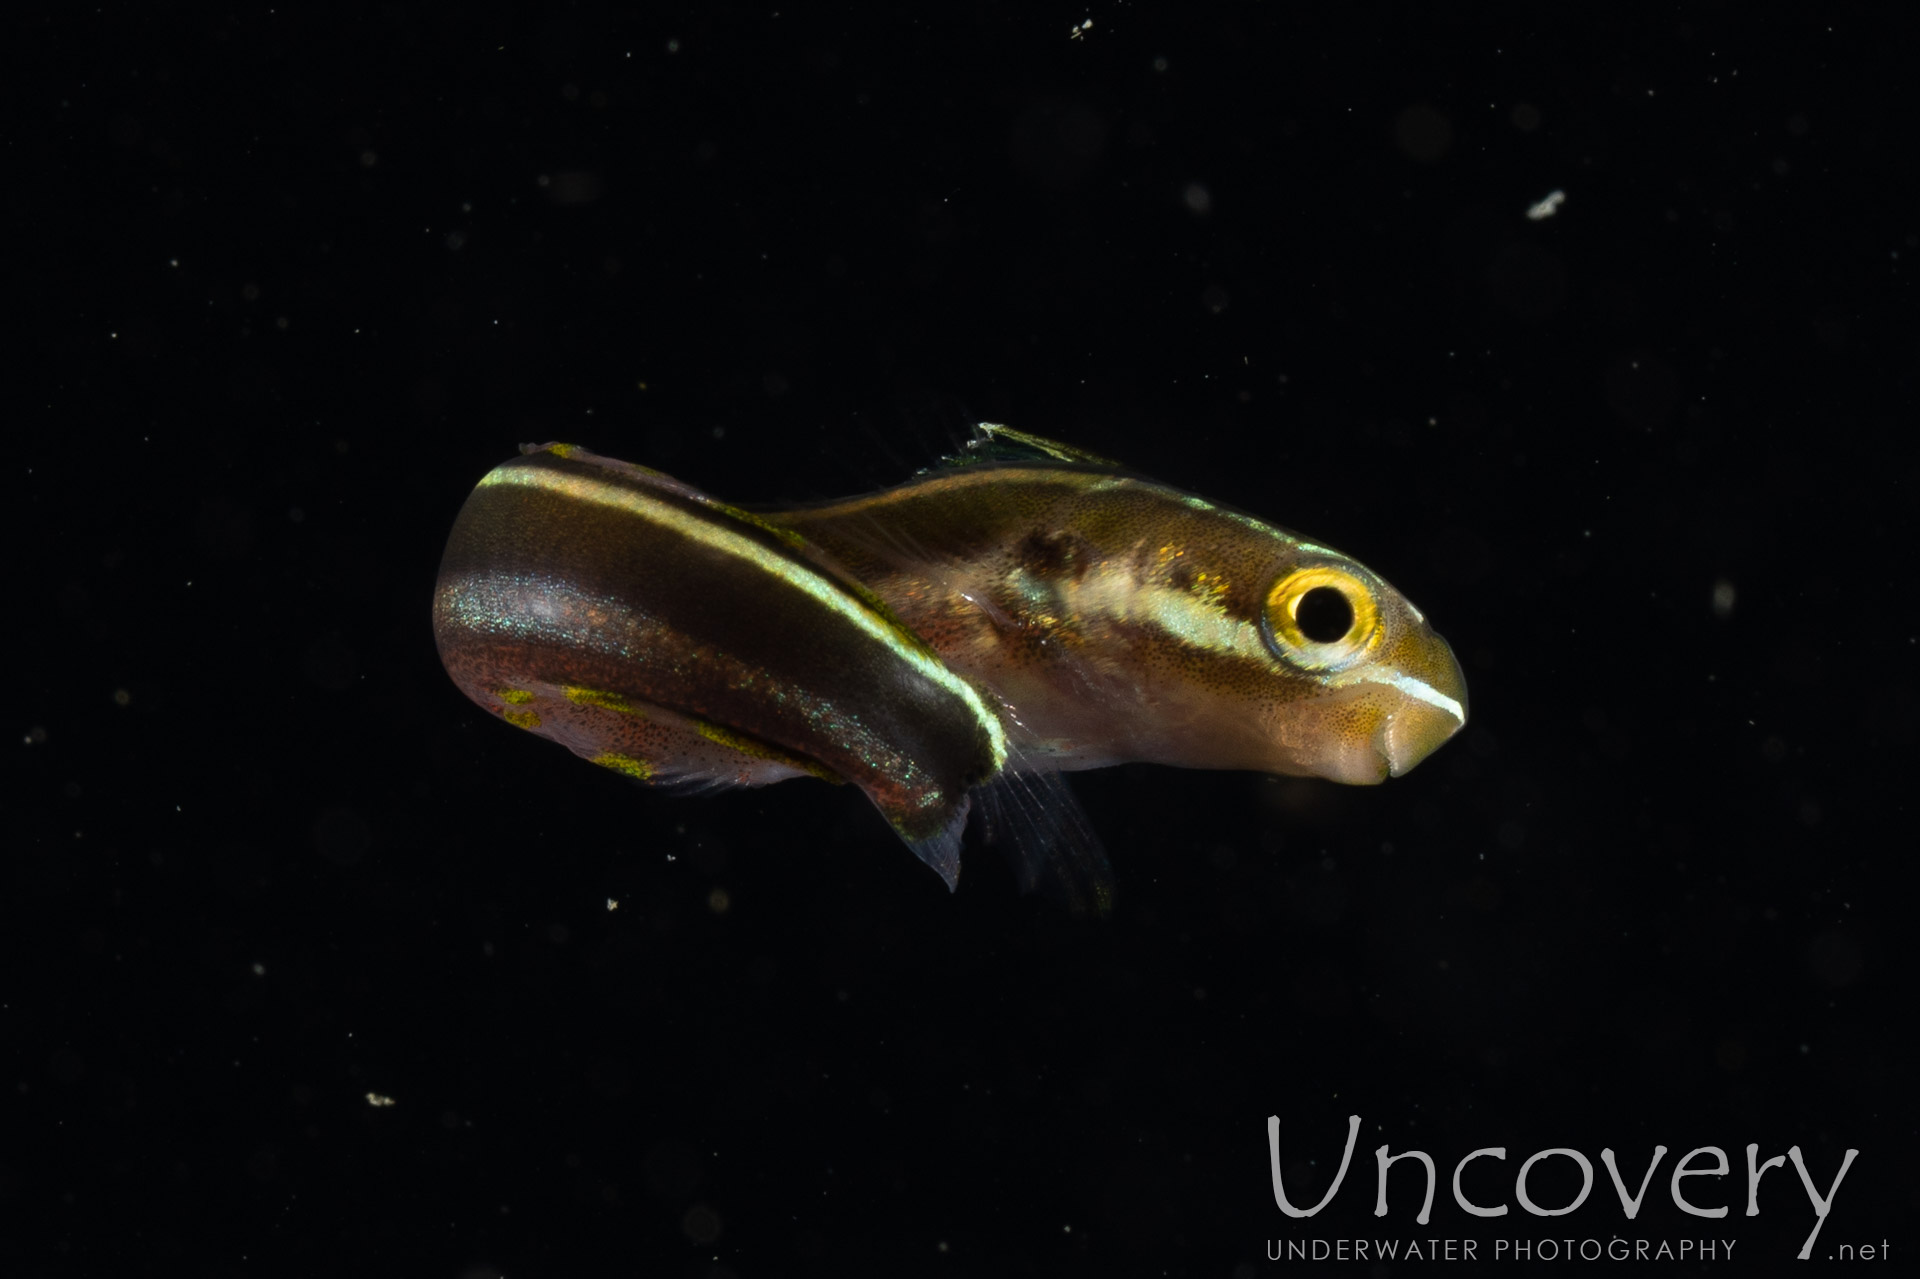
x: 667, y: 636
x: 1116, y: 619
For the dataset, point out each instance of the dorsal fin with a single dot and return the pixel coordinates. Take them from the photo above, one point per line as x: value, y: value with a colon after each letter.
x: 993, y: 442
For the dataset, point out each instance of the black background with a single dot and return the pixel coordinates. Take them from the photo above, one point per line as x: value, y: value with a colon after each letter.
x: 284, y: 290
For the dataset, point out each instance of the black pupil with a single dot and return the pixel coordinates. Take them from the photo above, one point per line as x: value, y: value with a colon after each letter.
x: 1324, y: 615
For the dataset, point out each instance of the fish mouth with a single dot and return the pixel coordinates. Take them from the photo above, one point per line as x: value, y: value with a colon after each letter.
x: 1434, y: 708
x: 1426, y: 706
x: 1412, y: 734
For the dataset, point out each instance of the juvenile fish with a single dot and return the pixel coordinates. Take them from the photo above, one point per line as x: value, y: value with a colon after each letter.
x: 1027, y: 609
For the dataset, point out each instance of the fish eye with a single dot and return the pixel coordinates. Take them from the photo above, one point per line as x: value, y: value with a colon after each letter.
x: 1323, y: 614
x: 1321, y: 618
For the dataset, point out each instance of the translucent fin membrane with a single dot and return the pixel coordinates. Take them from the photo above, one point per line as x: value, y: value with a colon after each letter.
x: 1036, y: 822
x: 941, y: 850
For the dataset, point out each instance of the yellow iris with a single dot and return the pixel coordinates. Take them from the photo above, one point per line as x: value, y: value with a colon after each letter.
x: 1321, y: 618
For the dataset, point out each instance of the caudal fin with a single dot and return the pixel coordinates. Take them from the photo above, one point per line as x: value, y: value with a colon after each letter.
x: 941, y: 850
x: 1043, y: 832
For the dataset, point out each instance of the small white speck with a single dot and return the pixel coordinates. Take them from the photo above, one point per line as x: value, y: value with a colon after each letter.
x: 1723, y: 598
x: 1547, y: 206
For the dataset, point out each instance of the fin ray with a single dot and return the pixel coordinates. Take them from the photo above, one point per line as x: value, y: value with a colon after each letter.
x: 993, y: 442
x: 1044, y: 833
x: 941, y: 850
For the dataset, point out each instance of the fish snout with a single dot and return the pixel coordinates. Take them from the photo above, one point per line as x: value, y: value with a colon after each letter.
x: 1433, y: 705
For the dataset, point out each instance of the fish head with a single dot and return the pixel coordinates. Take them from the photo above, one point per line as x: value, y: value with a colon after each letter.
x: 1363, y: 688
